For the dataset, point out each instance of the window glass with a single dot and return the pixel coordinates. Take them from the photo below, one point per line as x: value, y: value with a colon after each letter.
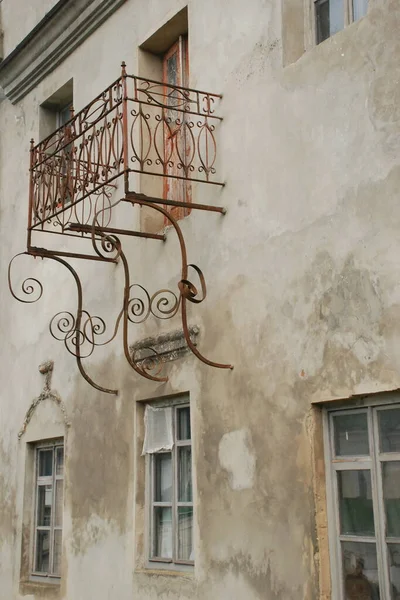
x: 360, y: 8
x: 184, y: 432
x: 336, y: 16
x: 162, y: 532
x: 360, y: 570
x: 185, y: 533
x: 58, y: 509
x: 43, y: 551
x: 185, y: 474
x: 322, y: 20
x: 329, y: 18
x: 391, y: 497
x: 60, y: 461
x: 45, y: 463
x: 389, y: 430
x: 394, y: 569
x: 355, y: 503
x: 163, y: 477
x: 57, y: 552
x: 45, y: 501
x: 351, y: 434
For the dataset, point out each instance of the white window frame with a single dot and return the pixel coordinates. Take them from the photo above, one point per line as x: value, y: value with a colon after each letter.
x: 174, y: 563
x: 372, y: 463
x: 40, y: 481
x: 348, y: 18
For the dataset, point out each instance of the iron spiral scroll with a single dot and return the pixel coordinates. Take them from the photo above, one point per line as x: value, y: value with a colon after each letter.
x: 81, y: 332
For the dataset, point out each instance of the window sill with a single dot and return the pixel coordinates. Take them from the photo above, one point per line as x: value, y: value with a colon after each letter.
x: 166, y: 572
x: 46, y: 589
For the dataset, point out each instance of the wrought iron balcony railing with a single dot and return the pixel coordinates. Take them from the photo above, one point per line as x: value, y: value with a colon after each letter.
x: 135, y: 126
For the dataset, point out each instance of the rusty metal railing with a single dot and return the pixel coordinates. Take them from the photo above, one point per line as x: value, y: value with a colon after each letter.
x: 136, y: 125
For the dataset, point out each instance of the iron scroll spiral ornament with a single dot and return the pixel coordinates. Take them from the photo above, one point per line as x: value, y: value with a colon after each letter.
x: 30, y: 287
x: 188, y: 289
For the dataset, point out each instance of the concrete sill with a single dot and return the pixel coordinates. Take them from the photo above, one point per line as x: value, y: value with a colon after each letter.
x: 165, y: 573
x: 45, y: 589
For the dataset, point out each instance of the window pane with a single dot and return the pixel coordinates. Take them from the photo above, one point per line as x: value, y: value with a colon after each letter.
x: 58, y: 509
x: 391, y: 497
x: 389, y: 430
x: 360, y: 570
x: 360, y: 8
x: 172, y: 69
x: 44, y: 503
x: 355, y: 501
x: 394, y: 570
x: 322, y: 18
x: 43, y: 551
x: 330, y: 18
x: 162, y: 532
x: 59, y: 461
x: 45, y: 463
x: 185, y: 533
x: 336, y: 16
x: 351, y: 435
x: 185, y: 474
x: 184, y: 432
x: 163, y: 477
x: 57, y: 552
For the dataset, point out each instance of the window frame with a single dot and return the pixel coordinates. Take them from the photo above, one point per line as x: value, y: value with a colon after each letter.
x: 38, y: 481
x: 181, y: 187
x: 348, y: 19
x: 373, y: 463
x: 159, y: 562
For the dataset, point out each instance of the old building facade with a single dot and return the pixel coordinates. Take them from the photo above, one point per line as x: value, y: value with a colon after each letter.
x: 260, y: 143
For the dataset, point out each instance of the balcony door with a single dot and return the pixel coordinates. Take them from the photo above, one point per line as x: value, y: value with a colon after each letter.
x: 175, y: 73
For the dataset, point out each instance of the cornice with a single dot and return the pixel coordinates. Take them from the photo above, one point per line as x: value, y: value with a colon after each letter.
x: 56, y: 36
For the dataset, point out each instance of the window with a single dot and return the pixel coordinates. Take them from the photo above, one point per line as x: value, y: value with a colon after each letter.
x: 176, y: 73
x: 54, y: 113
x: 363, y: 459
x: 332, y: 16
x: 169, y: 448
x: 48, y: 513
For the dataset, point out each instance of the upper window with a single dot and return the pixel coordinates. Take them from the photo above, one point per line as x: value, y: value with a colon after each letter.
x: 48, y: 516
x: 364, y: 464
x: 176, y: 73
x: 332, y: 16
x: 169, y: 446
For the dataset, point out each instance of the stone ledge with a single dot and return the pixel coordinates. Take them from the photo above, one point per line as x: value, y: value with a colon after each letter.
x: 169, y: 346
x: 54, y: 38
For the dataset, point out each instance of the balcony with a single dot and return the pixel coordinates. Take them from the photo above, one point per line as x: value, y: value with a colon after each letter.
x: 135, y: 126
x: 86, y: 171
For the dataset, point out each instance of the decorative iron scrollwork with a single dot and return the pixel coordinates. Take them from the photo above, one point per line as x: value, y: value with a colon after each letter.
x: 135, y: 125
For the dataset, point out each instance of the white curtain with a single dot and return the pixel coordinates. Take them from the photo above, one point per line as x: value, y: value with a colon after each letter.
x: 158, y: 430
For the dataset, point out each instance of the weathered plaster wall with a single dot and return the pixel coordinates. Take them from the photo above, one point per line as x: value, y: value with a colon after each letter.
x: 19, y: 18
x: 304, y: 299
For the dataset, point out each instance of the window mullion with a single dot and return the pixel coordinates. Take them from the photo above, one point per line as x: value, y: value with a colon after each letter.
x: 35, y: 512
x: 174, y: 488
x: 53, y: 504
x: 152, y: 496
x: 332, y: 537
x: 339, y: 561
x: 379, y: 510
